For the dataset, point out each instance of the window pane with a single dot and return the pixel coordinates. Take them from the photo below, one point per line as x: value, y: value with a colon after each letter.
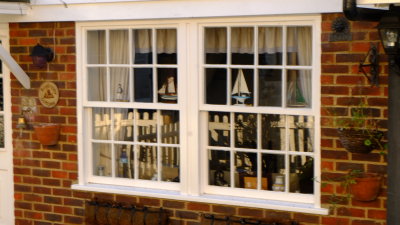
x: 299, y: 90
x: 167, y: 85
x: 97, y: 84
x: 301, y: 133
x: 102, y: 159
x: 142, y: 46
x: 146, y: 121
x: 101, y: 123
x: 170, y: 127
x: 216, y: 86
x: 299, y: 46
x: 302, y: 174
x: 124, y: 161
x: 96, y: 47
x: 143, y: 84
x: 119, y: 84
x: 270, y: 87
x: 170, y: 164
x: 219, y: 168
x: 1, y: 131
x: 245, y: 130
x: 273, y: 167
x: 246, y: 170
x: 123, y: 124
x: 1, y: 94
x: 242, y: 45
x: 215, y: 45
x: 270, y: 46
x: 273, y: 132
x: 219, y: 129
x: 166, y: 46
x: 242, y: 87
x: 119, y: 47
x: 148, y: 163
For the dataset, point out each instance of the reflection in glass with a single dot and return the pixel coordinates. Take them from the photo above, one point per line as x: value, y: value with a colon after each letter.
x: 270, y: 87
x: 219, y: 168
x: 146, y: 121
x: 242, y: 87
x: 245, y: 130
x: 299, y: 46
x: 302, y: 174
x: 270, y: 45
x: 273, y: 168
x: 1, y: 131
x: 170, y: 127
x: 124, y: 161
x: 123, y: 124
x: 167, y: 85
x: 301, y: 133
x: 242, y: 45
x: 96, y: 47
x: 273, y: 132
x: 246, y: 170
x: 219, y: 129
x: 101, y: 124
x: 148, y: 163
x: 119, y: 47
x: 142, y: 46
x: 216, y: 86
x: 170, y: 164
x: 215, y: 45
x: 97, y: 84
x: 143, y: 84
x: 119, y: 84
x: 102, y: 159
x: 166, y: 46
x: 299, y: 91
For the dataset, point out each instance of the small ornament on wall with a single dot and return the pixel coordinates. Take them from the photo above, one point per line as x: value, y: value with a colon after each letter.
x: 341, y: 30
x: 48, y: 94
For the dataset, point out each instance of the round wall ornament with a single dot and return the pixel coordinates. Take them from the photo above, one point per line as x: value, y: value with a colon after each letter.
x: 48, y: 94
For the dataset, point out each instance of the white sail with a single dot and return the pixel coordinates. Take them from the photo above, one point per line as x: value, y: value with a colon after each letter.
x: 168, y: 87
x: 240, y: 86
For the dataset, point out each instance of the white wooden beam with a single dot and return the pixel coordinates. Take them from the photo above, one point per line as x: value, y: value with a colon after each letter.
x: 20, y: 74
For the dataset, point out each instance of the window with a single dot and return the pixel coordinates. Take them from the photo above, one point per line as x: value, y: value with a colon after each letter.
x: 202, y: 109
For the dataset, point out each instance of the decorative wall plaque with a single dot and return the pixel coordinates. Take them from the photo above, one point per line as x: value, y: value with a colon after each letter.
x: 48, y: 94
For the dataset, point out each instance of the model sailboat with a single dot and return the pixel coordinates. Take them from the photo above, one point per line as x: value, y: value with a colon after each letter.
x: 240, y: 91
x: 168, y: 90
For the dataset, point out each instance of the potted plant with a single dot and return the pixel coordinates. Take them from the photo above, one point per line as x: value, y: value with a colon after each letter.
x: 362, y: 186
x: 47, y: 133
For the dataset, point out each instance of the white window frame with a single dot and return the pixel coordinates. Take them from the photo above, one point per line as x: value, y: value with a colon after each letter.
x: 193, y: 177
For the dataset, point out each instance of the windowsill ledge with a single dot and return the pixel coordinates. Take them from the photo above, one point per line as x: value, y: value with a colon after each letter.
x: 214, y: 199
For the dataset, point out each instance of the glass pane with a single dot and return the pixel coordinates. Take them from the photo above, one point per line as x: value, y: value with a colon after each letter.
x: 170, y: 127
x: 1, y: 131
x: 119, y: 47
x: 123, y: 124
x: 246, y: 170
x: 245, y: 130
x: 97, y: 84
x: 102, y: 159
x: 299, y: 90
x: 142, y: 46
x: 216, y: 86
x: 242, y: 45
x: 219, y: 164
x: 96, y: 47
x: 148, y: 163
x: 270, y: 46
x: 119, y: 84
x: 273, y: 132
x: 301, y: 174
x: 166, y: 46
x: 143, y: 84
x: 219, y: 129
x: 301, y: 133
x: 101, y: 123
x: 146, y: 121
x: 270, y: 87
x: 299, y: 46
x: 273, y: 170
x: 1, y: 94
x: 215, y: 45
x: 170, y: 164
x: 124, y: 161
x: 242, y: 87
x: 167, y: 85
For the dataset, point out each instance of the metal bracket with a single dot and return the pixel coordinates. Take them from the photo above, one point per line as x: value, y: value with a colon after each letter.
x: 373, y: 59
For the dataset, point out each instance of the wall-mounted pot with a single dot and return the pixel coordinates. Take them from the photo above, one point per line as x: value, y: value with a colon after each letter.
x: 47, y: 133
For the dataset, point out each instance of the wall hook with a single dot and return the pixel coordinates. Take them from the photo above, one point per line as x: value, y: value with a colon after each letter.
x: 373, y: 64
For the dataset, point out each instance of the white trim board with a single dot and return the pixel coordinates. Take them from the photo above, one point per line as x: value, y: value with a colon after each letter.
x: 18, y: 72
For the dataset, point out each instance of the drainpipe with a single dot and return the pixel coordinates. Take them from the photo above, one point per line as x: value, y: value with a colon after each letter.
x: 354, y: 13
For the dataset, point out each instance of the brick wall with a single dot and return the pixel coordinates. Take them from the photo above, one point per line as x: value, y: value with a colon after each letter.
x: 43, y: 175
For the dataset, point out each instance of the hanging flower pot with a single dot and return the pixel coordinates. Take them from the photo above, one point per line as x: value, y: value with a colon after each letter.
x: 366, y: 187
x: 47, y: 133
x: 359, y: 140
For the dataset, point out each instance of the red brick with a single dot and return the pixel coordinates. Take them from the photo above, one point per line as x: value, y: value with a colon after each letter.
x: 377, y: 214
x: 335, y: 221
x: 197, y: 206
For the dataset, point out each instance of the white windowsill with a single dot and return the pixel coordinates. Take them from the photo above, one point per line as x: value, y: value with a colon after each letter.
x: 214, y: 199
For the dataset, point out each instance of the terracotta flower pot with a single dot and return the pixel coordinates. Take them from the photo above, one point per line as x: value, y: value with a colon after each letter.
x: 366, y: 187
x: 47, y: 133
